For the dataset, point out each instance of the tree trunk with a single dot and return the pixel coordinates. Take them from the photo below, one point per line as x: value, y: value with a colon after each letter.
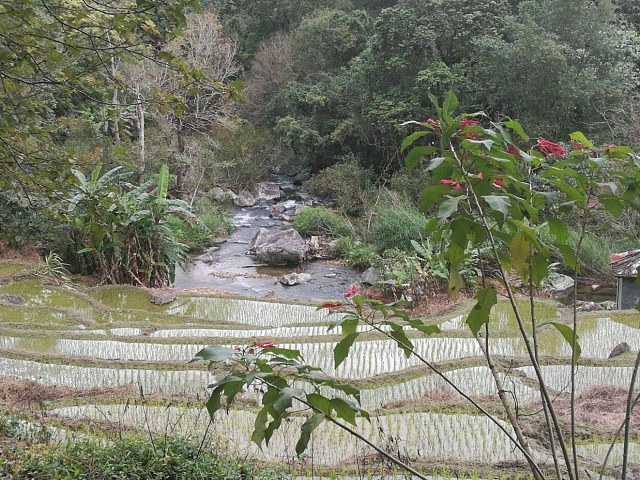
x: 180, y: 167
x: 114, y: 100
x: 140, y: 125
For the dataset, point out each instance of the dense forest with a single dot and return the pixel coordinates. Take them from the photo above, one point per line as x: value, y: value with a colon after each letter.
x: 231, y: 92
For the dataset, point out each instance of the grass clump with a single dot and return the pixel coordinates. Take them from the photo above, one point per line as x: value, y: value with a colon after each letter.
x: 355, y: 254
x: 210, y: 224
x: 347, y: 184
x: 320, y: 221
x: 128, y: 457
x: 395, y: 227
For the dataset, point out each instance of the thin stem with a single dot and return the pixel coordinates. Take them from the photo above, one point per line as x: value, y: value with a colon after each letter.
x: 536, y: 470
x: 627, y: 418
x: 613, y: 442
x: 516, y: 311
x: 349, y: 430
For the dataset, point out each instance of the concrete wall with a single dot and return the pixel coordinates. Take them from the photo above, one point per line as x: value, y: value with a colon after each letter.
x: 628, y: 293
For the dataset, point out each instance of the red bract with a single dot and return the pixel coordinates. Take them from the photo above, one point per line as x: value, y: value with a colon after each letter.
x: 480, y: 176
x: 469, y: 123
x: 512, y: 150
x: 550, y: 148
x: 352, y: 290
x: 610, y: 147
x: 435, y: 124
x: 576, y: 146
x: 497, y: 182
x: 264, y: 344
x: 329, y: 306
x: 453, y: 183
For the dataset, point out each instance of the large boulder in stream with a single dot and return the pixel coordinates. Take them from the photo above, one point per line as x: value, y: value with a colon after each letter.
x: 245, y: 199
x: 268, y: 191
x: 286, y: 247
x: 559, y: 284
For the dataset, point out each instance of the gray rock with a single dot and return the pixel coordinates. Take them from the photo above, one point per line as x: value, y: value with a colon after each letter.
x: 620, y: 349
x: 559, y: 283
x: 162, y: 298
x: 278, y: 209
x: 287, y: 218
x: 268, y: 191
x: 219, y: 241
x: 582, y: 306
x: 12, y: 299
x: 245, y: 199
x: 260, y: 238
x: 208, y: 256
x: 330, y: 275
x: 281, y: 248
x: 220, y: 195
x: 291, y: 279
x: 303, y: 176
x: 369, y: 276
x: 288, y: 188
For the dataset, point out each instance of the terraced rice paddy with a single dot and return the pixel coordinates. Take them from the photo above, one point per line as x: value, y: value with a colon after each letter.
x: 106, y: 338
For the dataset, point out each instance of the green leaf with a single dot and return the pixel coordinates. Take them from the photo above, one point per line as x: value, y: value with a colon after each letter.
x: 479, y: 315
x: 416, y: 154
x: 319, y: 402
x: 341, y: 350
x: 421, y: 327
x: 449, y: 207
x: 307, y: 428
x: 498, y: 203
x: 519, y: 250
x: 612, y: 204
x: 567, y: 333
x: 558, y: 229
x: 569, y: 256
x: 410, y: 139
x: 450, y: 103
x: 431, y: 195
x: 213, y: 353
x: 345, y: 409
x: 163, y: 182
x: 283, y: 401
x: 286, y: 352
x: 581, y: 139
x: 540, y: 269
x: 399, y: 335
x: 516, y: 127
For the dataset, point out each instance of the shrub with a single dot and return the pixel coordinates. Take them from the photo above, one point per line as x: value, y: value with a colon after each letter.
x: 354, y: 253
x: 345, y: 183
x: 128, y: 457
x: 396, y: 226
x: 319, y: 221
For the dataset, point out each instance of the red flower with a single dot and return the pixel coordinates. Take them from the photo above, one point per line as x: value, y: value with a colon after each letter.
x: 264, y: 344
x: 513, y: 151
x: 453, y: 183
x: 329, y: 306
x: 497, y: 182
x: 435, y: 124
x: 352, y: 290
x: 467, y: 122
x: 550, y: 148
x: 576, y: 145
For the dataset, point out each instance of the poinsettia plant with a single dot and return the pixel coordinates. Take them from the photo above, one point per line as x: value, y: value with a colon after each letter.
x: 492, y: 186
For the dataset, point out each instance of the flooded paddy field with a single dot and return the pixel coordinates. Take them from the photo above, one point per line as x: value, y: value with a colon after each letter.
x: 114, y: 338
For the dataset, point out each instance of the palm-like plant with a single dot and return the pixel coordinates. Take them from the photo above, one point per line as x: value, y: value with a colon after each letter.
x: 120, y: 229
